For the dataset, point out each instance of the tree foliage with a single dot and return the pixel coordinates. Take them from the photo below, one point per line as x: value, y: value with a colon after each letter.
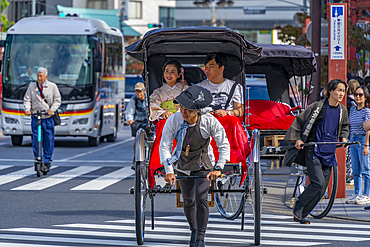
x: 4, y: 20
x: 357, y: 38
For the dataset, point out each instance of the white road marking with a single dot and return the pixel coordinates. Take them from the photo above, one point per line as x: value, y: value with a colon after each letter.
x: 97, y: 150
x: 106, y: 180
x: 54, y: 180
x: 13, y: 176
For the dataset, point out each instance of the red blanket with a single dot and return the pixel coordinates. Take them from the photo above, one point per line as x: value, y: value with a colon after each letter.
x: 239, y: 146
x: 277, y: 123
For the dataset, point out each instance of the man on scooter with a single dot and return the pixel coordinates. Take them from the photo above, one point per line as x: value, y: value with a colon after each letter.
x: 43, y: 95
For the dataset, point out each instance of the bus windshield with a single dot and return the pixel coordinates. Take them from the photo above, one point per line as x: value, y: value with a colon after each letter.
x: 67, y: 59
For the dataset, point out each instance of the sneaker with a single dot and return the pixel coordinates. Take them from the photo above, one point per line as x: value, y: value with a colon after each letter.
x: 363, y: 200
x: 353, y: 199
x: 367, y: 208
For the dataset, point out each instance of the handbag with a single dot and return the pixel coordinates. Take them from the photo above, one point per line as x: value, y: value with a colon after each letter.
x: 56, y: 117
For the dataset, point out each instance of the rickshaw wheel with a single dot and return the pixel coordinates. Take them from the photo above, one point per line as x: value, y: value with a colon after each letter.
x: 141, y: 192
x: 229, y: 204
x: 256, y: 196
x: 325, y: 204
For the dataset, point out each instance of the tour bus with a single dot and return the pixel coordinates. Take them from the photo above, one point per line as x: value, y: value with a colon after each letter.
x: 84, y: 57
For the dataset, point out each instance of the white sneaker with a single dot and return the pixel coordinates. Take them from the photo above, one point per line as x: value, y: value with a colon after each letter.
x: 363, y: 200
x: 353, y: 199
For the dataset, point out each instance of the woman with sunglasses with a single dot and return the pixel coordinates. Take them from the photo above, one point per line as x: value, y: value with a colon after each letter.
x: 360, y: 159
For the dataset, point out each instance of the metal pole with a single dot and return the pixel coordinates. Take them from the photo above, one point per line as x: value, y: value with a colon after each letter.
x: 33, y: 7
x: 316, y: 46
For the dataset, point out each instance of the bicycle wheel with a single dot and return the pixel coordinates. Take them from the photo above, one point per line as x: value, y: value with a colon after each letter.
x: 229, y: 204
x: 141, y: 193
x: 324, y: 205
x: 256, y: 200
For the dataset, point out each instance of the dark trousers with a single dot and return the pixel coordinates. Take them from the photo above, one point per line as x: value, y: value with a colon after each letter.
x: 47, y: 137
x: 195, y: 194
x: 319, y: 176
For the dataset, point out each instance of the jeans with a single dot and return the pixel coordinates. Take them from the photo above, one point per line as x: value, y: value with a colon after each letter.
x: 360, y: 166
x: 47, y: 137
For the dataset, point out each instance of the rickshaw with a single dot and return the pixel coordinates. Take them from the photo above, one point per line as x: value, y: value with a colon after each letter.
x: 242, y: 177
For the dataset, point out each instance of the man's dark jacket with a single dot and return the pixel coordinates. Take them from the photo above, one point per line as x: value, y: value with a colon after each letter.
x: 302, y: 126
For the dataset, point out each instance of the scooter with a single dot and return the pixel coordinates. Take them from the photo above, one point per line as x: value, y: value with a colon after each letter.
x: 40, y: 167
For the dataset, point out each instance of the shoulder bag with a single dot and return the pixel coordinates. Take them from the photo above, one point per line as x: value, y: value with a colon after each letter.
x: 56, y: 117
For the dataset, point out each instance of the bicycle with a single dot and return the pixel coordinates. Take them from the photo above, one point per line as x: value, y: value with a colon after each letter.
x: 325, y: 204
x: 40, y: 167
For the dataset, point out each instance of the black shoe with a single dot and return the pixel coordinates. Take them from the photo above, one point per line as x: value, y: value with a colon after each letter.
x: 367, y: 208
x: 199, y: 243
x: 298, y: 209
x: 193, y: 237
x: 48, y: 164
x: 301, y: 220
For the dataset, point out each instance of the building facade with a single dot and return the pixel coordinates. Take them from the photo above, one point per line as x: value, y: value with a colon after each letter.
x: 140, y: 12
x: 256, y: 20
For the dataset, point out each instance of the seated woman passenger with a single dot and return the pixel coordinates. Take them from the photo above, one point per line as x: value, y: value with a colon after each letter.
x: 227, y: 94
x: 161, y: 101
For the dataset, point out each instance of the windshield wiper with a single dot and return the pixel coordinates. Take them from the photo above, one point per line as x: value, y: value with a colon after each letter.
x: 67, y: 85
x: 24, y: 84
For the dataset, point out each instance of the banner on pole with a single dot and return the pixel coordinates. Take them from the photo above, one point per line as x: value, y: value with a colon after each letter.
x: 337, y: 29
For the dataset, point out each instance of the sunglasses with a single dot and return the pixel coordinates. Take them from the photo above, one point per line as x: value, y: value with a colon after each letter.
x: 359, y: 94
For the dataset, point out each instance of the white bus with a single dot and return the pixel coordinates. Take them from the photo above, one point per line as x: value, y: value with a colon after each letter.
x: 84, y: 57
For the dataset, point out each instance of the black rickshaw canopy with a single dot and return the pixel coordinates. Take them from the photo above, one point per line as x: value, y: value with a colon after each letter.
x: 280, y: 63
x: 190, y: 45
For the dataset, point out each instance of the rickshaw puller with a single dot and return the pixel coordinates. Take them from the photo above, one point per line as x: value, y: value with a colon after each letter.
x: 193, y: 155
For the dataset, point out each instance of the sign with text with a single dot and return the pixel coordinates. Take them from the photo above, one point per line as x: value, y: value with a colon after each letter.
x: 337, y: 32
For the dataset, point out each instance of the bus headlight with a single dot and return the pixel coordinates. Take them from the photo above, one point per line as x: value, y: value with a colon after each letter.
x: 80, y: 121
x: 10, y: 120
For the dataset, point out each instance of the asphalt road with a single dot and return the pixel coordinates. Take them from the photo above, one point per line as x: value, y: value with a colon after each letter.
x: 85, y: 201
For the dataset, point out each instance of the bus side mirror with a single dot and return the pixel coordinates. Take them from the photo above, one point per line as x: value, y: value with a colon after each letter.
x: 97, y: 57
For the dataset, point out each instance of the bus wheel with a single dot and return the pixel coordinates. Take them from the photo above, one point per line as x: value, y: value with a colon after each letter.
x: 112, y: 137
x: 94, y: 141
x: 17, y: 140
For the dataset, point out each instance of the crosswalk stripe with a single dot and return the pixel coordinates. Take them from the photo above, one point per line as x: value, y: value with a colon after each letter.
x: 27, y: 245
x: 106, y: 180
x: 267, y: 222
x: 73, y: 240
x: 264, y: 228
x: 54, y: 180
x: 156, y: 236
x: 218, y: 232
x: 4, y: 167
x: 18, y: 175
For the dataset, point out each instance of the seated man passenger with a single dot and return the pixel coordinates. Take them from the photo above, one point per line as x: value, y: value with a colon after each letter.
x: 29, y: 73
x: 227, y: 94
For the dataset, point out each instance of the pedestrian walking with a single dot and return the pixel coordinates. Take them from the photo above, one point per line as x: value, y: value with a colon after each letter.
x: 359, y: 113
x: 322, y: 121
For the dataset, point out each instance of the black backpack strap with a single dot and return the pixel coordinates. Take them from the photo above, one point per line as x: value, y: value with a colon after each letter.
x: 231, y: 94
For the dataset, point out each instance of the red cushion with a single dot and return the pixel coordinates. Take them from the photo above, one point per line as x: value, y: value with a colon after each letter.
x: 268, y: 109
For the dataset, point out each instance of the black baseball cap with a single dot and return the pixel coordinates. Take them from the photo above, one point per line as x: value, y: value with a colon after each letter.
x: 194, y: 98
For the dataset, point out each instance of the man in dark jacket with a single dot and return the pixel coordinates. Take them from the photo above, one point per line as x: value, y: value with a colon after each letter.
x: 322, y: 121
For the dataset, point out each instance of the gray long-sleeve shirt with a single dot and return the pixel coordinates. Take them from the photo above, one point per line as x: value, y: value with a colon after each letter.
x: 33, y: 101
